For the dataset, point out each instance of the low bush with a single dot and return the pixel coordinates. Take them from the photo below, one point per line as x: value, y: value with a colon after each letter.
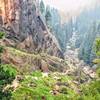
x: 2, y: 34
x: 7, y: 75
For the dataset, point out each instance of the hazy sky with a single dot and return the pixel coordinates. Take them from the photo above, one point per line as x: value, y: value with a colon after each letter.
x: 70, y: 5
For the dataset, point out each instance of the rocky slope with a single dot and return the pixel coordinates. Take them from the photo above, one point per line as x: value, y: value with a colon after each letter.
x: 20, y: 19
x: 27, y: 63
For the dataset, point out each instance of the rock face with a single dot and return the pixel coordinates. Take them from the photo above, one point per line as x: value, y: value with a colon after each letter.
x: 22, y: 21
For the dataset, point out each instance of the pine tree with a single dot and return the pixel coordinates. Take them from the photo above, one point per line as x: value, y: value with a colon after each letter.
x: 42, y: 7
x: 97, y: 51
x: 48, y: 16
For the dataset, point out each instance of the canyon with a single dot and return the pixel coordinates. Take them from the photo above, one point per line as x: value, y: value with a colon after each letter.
x: 45, y: 56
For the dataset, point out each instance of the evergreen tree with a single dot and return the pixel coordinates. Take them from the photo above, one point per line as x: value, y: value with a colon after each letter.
x: 48, y: 16
x: 97, y: 51
x: 42, y: 7
x: 97, y: 46
x: 86, y: 49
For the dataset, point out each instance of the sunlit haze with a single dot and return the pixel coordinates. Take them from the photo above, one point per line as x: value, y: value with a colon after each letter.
x: 70, y: 5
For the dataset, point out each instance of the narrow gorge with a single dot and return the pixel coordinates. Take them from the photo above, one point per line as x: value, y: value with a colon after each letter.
x: 49, y: 51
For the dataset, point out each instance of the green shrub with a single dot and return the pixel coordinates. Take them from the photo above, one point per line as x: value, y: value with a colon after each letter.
x: 98, y: 71
x: 1, y: 49
x: 37, y: 74
x: 2, y: 34
x: 91, y: 91
x: 7, y: 75
x: 7, y: 70
x: 64, y: 90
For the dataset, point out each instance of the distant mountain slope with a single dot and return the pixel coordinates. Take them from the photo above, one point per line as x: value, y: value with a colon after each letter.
x: 88, y: 25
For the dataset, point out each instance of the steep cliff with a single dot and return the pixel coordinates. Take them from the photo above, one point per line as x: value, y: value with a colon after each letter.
x: 22, y: 22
